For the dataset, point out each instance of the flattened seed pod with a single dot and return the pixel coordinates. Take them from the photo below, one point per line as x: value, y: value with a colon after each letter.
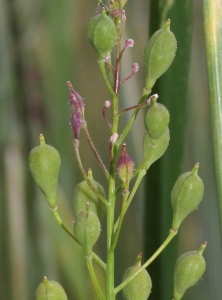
x: 87, y: 229
x: 159, y: 54
x: 139, y: 287
x: 83, y: 194
x: 50, y: 290
x: 186, y: 195
x: 157, y: 119
x: 102, y: 33
x: 44, y: 164
x: 157, y: 147
x: 188, y: 270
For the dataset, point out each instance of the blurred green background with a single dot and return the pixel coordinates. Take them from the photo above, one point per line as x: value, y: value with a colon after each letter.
x: 43, y: 44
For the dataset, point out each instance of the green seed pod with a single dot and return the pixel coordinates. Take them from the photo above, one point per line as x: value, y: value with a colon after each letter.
x: 87, y: 229
x: 159, y: 54
x: 157, y: 119
x: 188, y: 270
x: 186, y: 195
x: 44, y: 164
x: 156, y: 147
x: 50, y: 290
x: 140, y: 286
x: 83, y: 194
x: 102, y: 34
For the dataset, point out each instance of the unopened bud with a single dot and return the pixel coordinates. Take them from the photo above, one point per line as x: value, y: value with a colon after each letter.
x: 76, y: 123
x: 75, y: 100
x: 125, y: 166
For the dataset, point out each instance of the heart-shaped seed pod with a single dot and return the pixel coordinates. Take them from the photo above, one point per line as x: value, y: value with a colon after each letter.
x: 155, y: 147
x: 159, y: 54
x: 140, y: 286
x: 188, y: 270
x: 157, y: 119
x: 87, y: 229
x: 50, y: 290
x: 186, y: 195
x: 83, y: 194
x: 102, y: 33
x: 44, y: 164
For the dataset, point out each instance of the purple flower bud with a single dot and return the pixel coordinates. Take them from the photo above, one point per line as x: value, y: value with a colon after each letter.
x: 76, y: 123
x: 135, y: 68
x: 125, y: 166
x: 75, y: 100
x: 129, y: 43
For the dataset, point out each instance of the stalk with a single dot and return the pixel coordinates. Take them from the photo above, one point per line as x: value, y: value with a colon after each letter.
x: 212, y: 11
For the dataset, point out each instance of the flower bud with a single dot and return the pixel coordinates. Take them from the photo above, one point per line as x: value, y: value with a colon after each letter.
x: 50, y: 290
x: 159, y: 54
x: 186, y: 195
x: 158, y: 147
x: 76, y: 123
x: 140, y: 286
x: 188, y: 270
x: 87, y: 229
x: 125, y: 166
x: 157, y: 119
x: 102, y: 33
x: 83, y: 194
x: 44, y: 164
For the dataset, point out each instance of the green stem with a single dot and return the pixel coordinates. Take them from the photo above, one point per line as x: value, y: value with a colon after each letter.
x: 212, y: 11
x: 94, y: 278
x: 120, y: 220
x: 127, y: 204
x: 84, y: 126
x: 60, y: 222
x: 76, y: 148
x: 105, y: 77
x: 131, y: 120
x: 148, y: 262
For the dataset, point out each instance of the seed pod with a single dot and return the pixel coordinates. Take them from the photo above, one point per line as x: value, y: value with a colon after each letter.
x: 140, y: 286
x: 102, y: 34
x: 156, y: 147
x: 186, y: 195
x: 87, y: 229
x: 159, y: 54
x: 157, y: 119
x: 188, y: 270
x: 44, y: 164
x: 83, y: 194
x: 50, y: 290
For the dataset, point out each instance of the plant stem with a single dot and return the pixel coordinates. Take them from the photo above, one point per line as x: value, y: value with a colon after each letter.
x: 60, y: 222
x: 148, y: 262
x: 94, y: 278
x: 76, y: 147
x: 120, y: 220
x: 212, y: 11
x: 105, y: 77
x: 127, y: 204
x: 132, y: 119
x: 95, y: 151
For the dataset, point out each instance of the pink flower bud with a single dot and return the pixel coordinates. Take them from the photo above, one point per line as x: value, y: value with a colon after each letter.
x: 125, y: 166
x: 76, y: 123
x: 75, y: 100
x: 129, y: 43
x: 135, y: 68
